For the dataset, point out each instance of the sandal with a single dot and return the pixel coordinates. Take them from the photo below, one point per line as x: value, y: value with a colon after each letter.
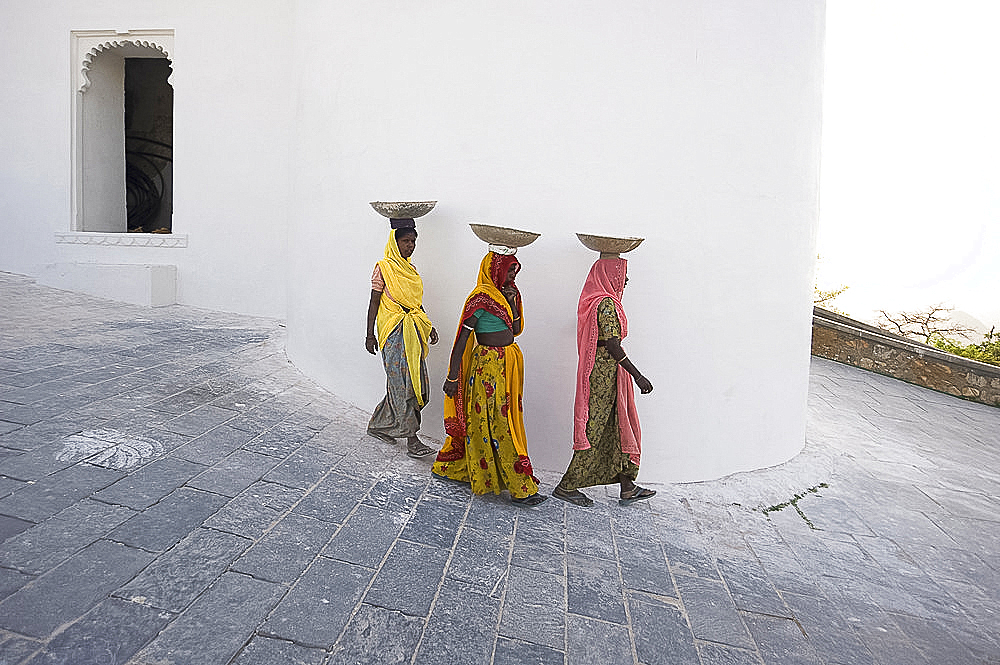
x: 385, y: 438
x: 529, y: 501
x: 576, y: 497
x: 635, y: 494
x: 418, y: 450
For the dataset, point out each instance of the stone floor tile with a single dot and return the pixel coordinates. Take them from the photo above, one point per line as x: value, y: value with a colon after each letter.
x: 459, y: 610
x: 72, y: 588
x: 750, y: 588
x: 11, y: 581
x: 45, y: 545
x: 780, y: 641
x: 213, y: 445
x: 147, y: 485
x: 593, y: 642
x: 409, y: 578
x: 480, y: 559
x: 434, y: 522
x: 366, y: 537
x: 644, y: 566
x: 179, y: 576
x: 539, y: 547
x: 303, y: 468
x: 712, y: 612
x: 721, y: 654
x: 828, y: 631
x: 594, y: 588
x: 316, y: 610
x: 514, y: 652
x: 109, y: 633
x: 16, y: 649
x: 11, y: 526
x: 689, y: 554
x: 169, y: 520
x: 268, y: 651
x: 234, y: 473
x: 334, y: 498
x: 218, y: 624
x: 662, y: 634
x: 398, y: 492
x: 534, y: 608
x: 280, y: 440
x: 287, y: 549
x: 377, y: 636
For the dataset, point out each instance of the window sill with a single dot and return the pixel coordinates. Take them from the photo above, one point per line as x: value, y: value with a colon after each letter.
x: 122, y: 239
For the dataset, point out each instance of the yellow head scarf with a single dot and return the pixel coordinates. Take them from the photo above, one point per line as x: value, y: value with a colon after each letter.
x: 401, y: 301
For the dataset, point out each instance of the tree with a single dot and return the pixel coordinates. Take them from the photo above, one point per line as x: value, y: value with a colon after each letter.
x: 987, y: 351
x: 927, y: 326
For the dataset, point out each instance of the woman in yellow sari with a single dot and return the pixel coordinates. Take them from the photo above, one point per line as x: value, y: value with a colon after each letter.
x: 404, y: 332
x: 483, y: 417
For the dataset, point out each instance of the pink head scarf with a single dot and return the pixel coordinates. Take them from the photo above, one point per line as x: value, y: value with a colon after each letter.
x: 606, y: 280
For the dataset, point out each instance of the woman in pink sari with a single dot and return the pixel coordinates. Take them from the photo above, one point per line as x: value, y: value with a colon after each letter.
x: 606, y: 434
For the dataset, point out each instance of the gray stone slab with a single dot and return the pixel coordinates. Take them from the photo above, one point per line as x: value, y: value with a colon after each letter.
x: 534, y: 608
x: 333, y: 498
x: 644, y: 567
x: 267, y: 651
x: 11, y: 526
x: 662, y: 634
x: 216, y: 626
x: 45, y: 545
x: 689, y: 554
x: 166, y: 522
x: 366, y: 536
x: 409, y: 578
x: 11, y: 581
x: 934, y: 639
x: 199, y: 421
x: 539, y: 547
x: 377, y: 636
x: 177, y: 577
x: 234, y: 473
x: 721, y: 654
x: 397, y: 492
x: 53, y: 493
x: 492, y: 514
x: 780, y: 641
x: 213, y: 445
x: 750, y: 587
x: 480, y: 558
x: 16, y: 649
x: 303, y: 468
x: 589, y: 532
x: 39, y: 462
x: 592, y: 642
x: 459, y: 610
x: 72, y: 588
x: 316, y: 610
x: 515, y: 652
x: 254, y: 511
x: 149, y: 484
x: 434, y: 522
x: 109, y: 633
x: 285, y: 551
x: 711, y: 611
x: 280, y: 440
x: 828, y: 631
x: 594, y: 588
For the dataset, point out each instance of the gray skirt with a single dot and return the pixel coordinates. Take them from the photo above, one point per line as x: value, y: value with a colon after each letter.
x: 398, y: 414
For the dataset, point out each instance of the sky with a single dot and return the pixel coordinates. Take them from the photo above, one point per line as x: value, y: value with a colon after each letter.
x: 910, y: 183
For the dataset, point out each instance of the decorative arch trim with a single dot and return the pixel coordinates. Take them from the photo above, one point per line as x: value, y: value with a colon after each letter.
x: 88, y: 44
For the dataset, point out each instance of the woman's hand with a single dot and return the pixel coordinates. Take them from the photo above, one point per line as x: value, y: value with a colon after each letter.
x: 645, y: 387
x: 450, y: 387
x: 434, y: 336
x: 510, y: 293
x: 371, y: 343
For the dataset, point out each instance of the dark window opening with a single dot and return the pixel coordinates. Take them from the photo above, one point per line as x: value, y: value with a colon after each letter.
x: 149, y: 132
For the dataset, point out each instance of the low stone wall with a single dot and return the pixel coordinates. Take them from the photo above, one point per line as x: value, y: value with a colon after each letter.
x: 854, y: 343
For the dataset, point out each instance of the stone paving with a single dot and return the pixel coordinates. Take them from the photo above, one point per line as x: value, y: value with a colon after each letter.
x: 173, y: 491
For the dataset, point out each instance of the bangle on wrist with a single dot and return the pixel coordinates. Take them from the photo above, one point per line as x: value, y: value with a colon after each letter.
x: 447, y: 380
x: 623, y: 359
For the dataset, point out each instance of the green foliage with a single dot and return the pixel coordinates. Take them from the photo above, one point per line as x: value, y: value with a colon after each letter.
x: 987, y: 351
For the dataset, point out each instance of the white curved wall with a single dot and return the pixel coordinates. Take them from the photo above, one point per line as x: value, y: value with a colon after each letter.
x: 693, y: 125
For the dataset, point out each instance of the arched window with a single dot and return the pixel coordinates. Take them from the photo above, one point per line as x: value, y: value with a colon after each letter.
x: 123, y: 132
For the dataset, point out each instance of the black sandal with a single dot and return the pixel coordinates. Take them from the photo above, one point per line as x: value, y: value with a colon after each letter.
x: 419, y: 450
x: 576, y: 497
x: 635, y: 494
x: 529, y: 501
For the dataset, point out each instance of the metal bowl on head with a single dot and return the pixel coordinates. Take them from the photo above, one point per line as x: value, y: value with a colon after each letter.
x: 609, y: 246
x: 403, y: 209
x: 501, y: 235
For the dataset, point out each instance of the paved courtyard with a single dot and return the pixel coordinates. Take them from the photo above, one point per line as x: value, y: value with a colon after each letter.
x: 173, y: 491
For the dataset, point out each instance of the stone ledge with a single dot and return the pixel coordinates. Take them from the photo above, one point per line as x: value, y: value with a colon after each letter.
x: 122, y: 239
x: 858, y: 344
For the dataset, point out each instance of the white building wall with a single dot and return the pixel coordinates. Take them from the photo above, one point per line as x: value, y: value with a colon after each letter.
x: 695, y: 125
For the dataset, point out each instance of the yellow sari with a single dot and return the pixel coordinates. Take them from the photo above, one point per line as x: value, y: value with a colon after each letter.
x: 487, y: 412
x: 401, y: 302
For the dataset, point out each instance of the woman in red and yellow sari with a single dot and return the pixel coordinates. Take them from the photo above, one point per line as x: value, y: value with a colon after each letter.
x: 483, y: 417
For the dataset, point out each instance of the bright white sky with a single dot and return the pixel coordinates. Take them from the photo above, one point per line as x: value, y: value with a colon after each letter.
x: 910, y: 184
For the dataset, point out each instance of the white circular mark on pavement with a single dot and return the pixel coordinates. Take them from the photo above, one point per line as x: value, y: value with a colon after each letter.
x: 109, y: 448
